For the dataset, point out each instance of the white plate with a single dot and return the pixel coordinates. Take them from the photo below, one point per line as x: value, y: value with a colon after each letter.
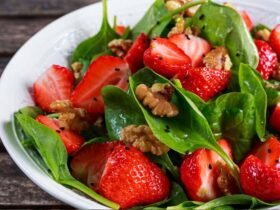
x: 53, y: 45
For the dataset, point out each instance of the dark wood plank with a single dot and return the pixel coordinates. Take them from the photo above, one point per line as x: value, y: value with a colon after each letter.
x: 17, y: 191
x: 14, y: 32
x: 3, y: 63
x: 40, y: 7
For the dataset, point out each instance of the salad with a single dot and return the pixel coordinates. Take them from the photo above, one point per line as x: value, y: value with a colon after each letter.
x: 182, y: 111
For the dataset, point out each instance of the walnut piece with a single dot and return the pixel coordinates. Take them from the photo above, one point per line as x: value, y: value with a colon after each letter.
x: 142, y: 138
x: 157, y: 98
x: 218, y: 58
x: 179, y: 27
x: 175, y: 4
x: 263, y: 34
x: 120, y: 46
x: 70, y: 118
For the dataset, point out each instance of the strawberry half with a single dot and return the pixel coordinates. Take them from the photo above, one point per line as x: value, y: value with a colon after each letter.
x: 71, y: 140
x: 247, y: 20
x: 275, y: 118
x: 268, y: 59
x: 165, y: 58
x: 106, y: 70
x: 200, y: 172
x: 55, y: 84
x: 205, y: 82
x: 274, y: 39
x: 259, y: 180
x: 193, y: 46
x: 134, y: 56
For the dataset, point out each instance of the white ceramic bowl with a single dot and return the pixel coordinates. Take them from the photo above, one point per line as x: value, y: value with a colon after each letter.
x: 53, y: 45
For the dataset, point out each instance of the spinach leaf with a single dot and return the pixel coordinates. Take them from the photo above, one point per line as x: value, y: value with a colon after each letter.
x: 150, y: 19
x: 53, y: 152
x: 272, y: 89
x: 232, y: 116
x: 251, y: 82
x: 98, y: 43
x: 186, y: 205
x: 231, y: 32
x: 120, y: 111
x: 187, y: 131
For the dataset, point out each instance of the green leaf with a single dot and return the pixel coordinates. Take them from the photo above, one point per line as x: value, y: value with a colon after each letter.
x: 223, y: 26
x: 187, y: 131
x: 272, y: 89
x: 97, y: 44
x: 232, y: 116
x: 251, y: 82
x: 186, y: 205
x: 52, y: 150
x: 120, y: 111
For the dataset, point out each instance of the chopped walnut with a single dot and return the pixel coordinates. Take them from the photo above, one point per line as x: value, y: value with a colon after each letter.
x: 142, y: 138
x: 120, y: 46
x: 70, y: 118
x: 179, y: 27
x: 218, y: 58
x: 157, y: 98
x: 276, y: 73
x: 175, y: 4
x: 226, y: 182
x: 77, y: 68
x: 263, y: 34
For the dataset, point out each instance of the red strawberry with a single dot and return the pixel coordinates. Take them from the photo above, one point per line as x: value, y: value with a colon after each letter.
x: 55, y: 84
x: 259, y: 180
x: 71, y: 140
x: 199, y: 173
x: 120, y: 30
x: 165, y: 58
x: 274, y: 39
x: 275, y: 119
x: 195, y: 47
x: 269, y: 152
x: 205, y: 82
x: 268, y: 59
x: 247, y: 20
x: 134, y: 56
x: 105, y: 70
x: 125, y: 175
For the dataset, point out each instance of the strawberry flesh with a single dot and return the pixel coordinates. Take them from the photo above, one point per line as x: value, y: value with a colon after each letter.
x: 274, y: 39
x: 275, y: 118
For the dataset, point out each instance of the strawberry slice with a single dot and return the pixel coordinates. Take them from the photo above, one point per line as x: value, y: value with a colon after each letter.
x: 165, y: 58
x: 120, y: 173
x: 274, y: 39
x: 120, y: 30
x: 71, y: 140
x: 247, y: 19
x: 193, y: 46
x: 259, y: 180
x: 268, y: 59
x: 134, y: 56
x: 269, y: 152
x: 106, y: 70
x: 200, y: 173
x: 55, y: 84
x: 205, y: 82
x: 275, y: 118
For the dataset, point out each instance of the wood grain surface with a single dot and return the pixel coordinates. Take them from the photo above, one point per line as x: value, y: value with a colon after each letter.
x: 19, y: 20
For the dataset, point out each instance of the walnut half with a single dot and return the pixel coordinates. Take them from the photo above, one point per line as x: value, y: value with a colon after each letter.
x: 157, y: 99
x: 142, y: 138
x: 120, y: 46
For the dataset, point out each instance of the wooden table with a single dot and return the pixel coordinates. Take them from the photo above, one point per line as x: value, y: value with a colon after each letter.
x: 19, y: 20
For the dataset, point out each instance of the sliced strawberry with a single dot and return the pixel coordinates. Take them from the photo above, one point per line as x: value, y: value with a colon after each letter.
x: 199, y: 173
x: 88, y: 163
x: 134, y: 56
x: 259, y: 180
x: 268, y: 59
x: 55, y: 84
x: 71, y: 140
x: 106, y: 70
x: 131, y: 179
x: 120, y: 30
x: 275, y: 118
x: 269, y: 152
x: 165, y: 58
x: 247, y: 20
x: 205, y: 82
x: 193, y: 46
x: 274, y: 39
